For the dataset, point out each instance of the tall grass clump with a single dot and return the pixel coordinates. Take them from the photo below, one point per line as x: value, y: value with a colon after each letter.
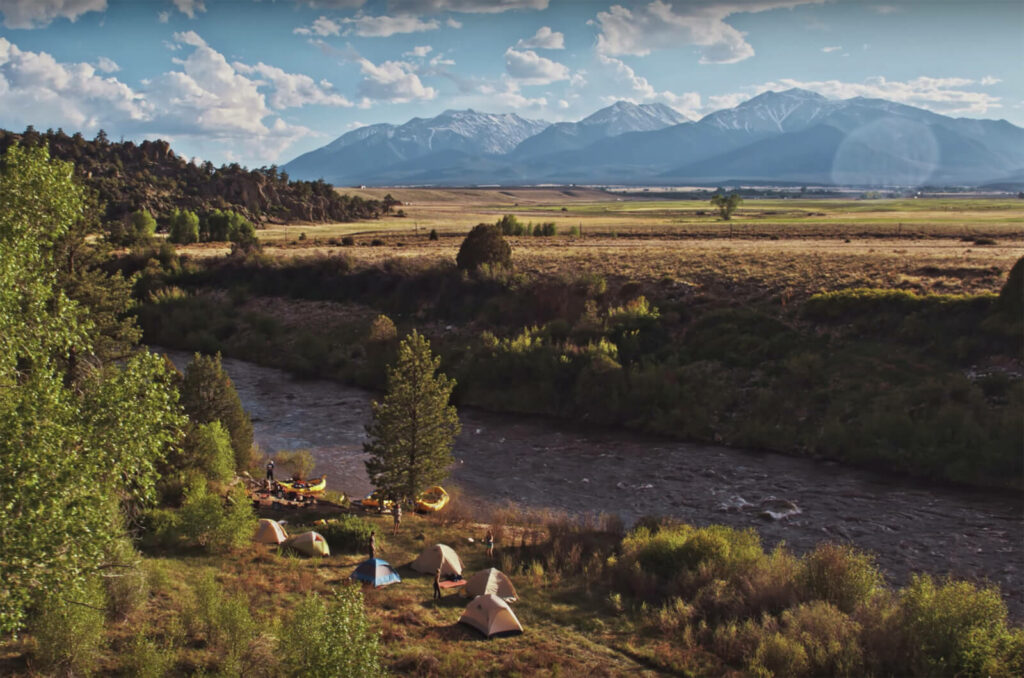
x: 226, y: 623
x: 330, y: 638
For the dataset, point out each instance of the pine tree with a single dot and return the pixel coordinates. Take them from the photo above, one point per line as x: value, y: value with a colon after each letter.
x: 413, y: 428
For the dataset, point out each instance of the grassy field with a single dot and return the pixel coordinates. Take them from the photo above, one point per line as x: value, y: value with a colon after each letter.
x: 594, y: 212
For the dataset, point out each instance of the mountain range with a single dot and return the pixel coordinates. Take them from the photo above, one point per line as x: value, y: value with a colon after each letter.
x: 795, y: 136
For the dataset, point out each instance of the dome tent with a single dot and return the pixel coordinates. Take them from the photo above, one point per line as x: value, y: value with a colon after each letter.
x: 491, y: 581
x: 269, y: 532
x: 491, y: 616
x: 377, y: 572
x: 438, y: 555
x: 309, y: 543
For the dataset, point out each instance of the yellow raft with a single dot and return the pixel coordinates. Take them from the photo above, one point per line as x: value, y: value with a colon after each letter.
x: 432, y: 500
x: 314, y: 486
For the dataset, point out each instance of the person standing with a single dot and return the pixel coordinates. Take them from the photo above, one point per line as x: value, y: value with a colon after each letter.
x: 270, y: 472
x: 396, y: 512
x: 373, y: 545
x: 437, y: 584
x: 489, y: 543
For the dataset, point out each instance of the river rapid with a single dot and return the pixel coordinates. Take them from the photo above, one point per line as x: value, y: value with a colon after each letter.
x: 912, y: 526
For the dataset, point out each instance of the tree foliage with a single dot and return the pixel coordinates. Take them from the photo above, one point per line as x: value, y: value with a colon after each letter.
x: 726, y: 204
x: 184, y: 227
x: 413, y: 428
x: 73, y: 454
x: 484, y: 245
x: 207, y: 395
x: 330, y: 638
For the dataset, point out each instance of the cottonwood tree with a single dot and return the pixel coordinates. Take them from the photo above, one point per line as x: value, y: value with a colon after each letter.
x: 414, y: 426
x: 208, y: 394
x: 73, y: 455
x: 726, y: 205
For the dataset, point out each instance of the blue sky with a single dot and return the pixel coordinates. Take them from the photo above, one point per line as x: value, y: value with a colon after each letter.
x: 260, y: 82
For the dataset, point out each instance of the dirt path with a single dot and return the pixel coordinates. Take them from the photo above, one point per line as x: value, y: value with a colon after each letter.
x: 912, y: 526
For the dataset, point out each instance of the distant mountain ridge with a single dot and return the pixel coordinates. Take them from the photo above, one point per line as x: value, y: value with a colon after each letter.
x: 790, y: 136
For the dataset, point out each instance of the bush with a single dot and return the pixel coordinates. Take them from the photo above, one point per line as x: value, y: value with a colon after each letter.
x: 347, y: 534
x: 68, y: 628
x: 955, y: 628
x: 1011, y: 297
x: 840, y: 575
x: 433, y: 234
x: 210, y: 448
x: 298, y: 463
x: 382, y: 329
x: 484, y: 245
x: 777, y: 655
x: 673, y: 550
x: 225, y: 621
x: 161, y: 527
x: 830, y: 639
x: 214, y: 524
x: 330, y: 638
x: 348, y: 241
x: 184, y: 227
x: 146, y: 659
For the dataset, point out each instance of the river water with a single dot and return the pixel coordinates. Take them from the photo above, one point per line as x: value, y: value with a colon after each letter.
x: 912, y: 526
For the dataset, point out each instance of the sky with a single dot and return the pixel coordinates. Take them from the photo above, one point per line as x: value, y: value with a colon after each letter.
x: 260, y: 82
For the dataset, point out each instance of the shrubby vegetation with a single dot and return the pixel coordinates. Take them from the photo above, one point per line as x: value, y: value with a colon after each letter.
x: 330, y: 638
x: 484, y: 246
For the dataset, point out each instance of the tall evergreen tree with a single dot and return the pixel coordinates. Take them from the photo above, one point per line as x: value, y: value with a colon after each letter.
x: 413, y: 428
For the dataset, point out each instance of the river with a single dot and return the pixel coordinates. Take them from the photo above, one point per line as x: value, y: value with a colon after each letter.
x: 912, y: 526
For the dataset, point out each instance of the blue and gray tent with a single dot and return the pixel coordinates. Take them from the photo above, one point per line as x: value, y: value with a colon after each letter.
x: 377, y: 572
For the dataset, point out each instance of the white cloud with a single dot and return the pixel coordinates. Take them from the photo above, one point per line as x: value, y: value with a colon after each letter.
x: 528, y: 68
x: 440, y: 60
x: 36, y: 89
x: 294, y: 90
x: 660, y: 25
x: 452, y: 23
x: 544, y: 38
x: 190, y: 38
x: 39, y: 13
x: 190, y: 7
x: 642, y: 91
x: 394, y: 81
x: 335, y: 4
x: 385, y: 26
x: 989, y: 80
x: 419, y: 51
x: 163, y: 17
x: 510, y: 96
x: 834, y: 48
x: 465, y: 6
x: 940, y: 95
x: 563, y: 104
x: 322, y: 26
x: 107, y: 65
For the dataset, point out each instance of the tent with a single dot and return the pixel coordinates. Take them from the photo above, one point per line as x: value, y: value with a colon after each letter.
x: 270, y: 532
x: 438, y: 555
x: 377, y: 572
x: 310, y: 543
x: 491, y: 581
x: 491, y: 616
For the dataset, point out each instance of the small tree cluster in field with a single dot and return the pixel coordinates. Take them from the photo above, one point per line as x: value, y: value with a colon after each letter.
x: 347, y: 534
x: 136, y: 228
x: 726, y: 204
x: 207, y: 395
x: 510, y: 225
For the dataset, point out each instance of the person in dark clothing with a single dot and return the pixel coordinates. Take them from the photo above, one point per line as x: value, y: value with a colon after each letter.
x: 396, y: 513
x: 437, y: 584
x: 489, y: 543
x: 270, y: 472
x: 373, y: 545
